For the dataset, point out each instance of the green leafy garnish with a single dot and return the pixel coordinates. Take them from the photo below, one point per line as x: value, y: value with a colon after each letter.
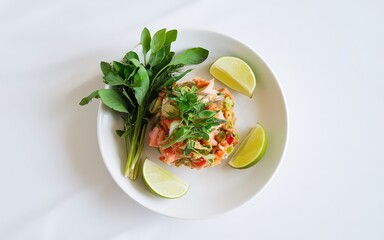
x: 132, y: 85
x: 196, y: 121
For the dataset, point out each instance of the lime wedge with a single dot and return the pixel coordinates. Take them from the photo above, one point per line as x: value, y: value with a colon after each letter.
x: 235, y: 73
x: 251, y: 150
x: 162, y: 182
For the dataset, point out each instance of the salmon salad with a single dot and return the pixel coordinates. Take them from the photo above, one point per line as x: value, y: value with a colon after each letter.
x: 193, y: 124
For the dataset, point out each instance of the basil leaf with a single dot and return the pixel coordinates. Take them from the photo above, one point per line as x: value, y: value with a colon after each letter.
x: 158, y: 40
x: 128, y: 97
x: 119, y: 67
x: 168, y: 57
x: 157, y: 57
x: 145, y: 40
x: 135, y: 62
x: 131, y: 55
x: 190, y: 56
x: 113, y: 100
x: 128, y: 69
x: 114, y: 79
x: 140, y: 85
x: 105, y: 67
x: 170, y: 37
x: 86, y: 100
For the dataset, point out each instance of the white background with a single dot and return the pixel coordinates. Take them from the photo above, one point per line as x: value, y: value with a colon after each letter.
x: 328, y: 56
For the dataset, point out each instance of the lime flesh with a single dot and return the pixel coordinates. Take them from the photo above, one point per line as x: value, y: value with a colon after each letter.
x: 251, y: 150
x: 235, y: 73
x: 162, y: 182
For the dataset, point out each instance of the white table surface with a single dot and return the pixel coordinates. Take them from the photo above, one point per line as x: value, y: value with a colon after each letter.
x: 328, y: 56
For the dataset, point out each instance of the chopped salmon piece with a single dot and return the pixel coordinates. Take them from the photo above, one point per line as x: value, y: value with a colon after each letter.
x: 200, y: 83
x: 200, y: 164
x: 225, y: 91
x: 170, y: 155
x: 156, y: 137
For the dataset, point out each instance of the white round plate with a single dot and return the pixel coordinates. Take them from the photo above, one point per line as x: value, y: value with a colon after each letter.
x: 218, y: 189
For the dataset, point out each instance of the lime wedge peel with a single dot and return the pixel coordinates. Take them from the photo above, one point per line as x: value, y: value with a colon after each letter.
x: 163, y: 183
x: 235, y: 73
x: 251, y: 150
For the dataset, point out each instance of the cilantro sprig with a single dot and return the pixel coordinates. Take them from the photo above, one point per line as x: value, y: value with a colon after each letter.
x: 133, y: 84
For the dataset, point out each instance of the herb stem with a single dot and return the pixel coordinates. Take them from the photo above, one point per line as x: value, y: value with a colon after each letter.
x: 125, y: 145
x: 137, y: 143
x: 135, y: 164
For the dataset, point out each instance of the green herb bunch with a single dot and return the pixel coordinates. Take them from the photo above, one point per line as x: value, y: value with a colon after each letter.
x: 132, y: 85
